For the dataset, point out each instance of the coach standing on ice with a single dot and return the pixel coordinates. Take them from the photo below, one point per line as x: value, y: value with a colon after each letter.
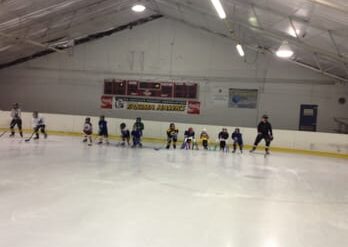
x: 16, y: 120
x: 264, y: 130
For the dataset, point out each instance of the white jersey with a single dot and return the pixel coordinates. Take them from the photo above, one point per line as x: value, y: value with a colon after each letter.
x: 87, y: 127
x: 39, y: 121
x: 16, y: 113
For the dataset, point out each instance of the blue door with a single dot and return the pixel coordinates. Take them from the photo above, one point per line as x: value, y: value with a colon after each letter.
x: 308, y: 117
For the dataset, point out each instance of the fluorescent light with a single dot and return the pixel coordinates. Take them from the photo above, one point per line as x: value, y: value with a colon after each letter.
x: 253, y: 21
x: 138, y: 8
x: 284, y: 51
x: 219, y: 9
x: 240, y: 50
x: 294, y: 33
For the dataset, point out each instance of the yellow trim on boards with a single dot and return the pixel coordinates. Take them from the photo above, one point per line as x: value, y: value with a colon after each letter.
x: 156, y: 140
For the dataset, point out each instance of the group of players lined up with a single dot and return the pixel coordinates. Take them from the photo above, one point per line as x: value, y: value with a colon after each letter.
x: 264, y: 129
x: 103, y: 135
x: 38, y: 123
x: 190, y: 141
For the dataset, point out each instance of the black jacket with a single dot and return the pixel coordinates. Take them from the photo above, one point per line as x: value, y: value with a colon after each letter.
x: 265, y: 128
x: 223, y: 135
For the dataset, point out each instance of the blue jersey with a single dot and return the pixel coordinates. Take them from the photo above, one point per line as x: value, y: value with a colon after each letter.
x: 237, y: 137
x: 103, y: 128
x: 136, y: 134
x: 103, y: 125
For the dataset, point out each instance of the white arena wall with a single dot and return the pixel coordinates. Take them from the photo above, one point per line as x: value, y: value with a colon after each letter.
x: 166, y: 50
x: 284, y: 139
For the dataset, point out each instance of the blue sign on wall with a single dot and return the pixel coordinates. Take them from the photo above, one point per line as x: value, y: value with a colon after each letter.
x: 243, y: 98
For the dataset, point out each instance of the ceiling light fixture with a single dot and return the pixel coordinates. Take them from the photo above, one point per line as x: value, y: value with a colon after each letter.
x: 253, y: 21
x: 284, y: 50
x: 240, y: 50
x: 219, y: 9
x: 138, y: 8
x: 294, y: 33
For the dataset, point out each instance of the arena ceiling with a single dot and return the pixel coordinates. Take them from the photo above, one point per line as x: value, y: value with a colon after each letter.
x: 316, y: 30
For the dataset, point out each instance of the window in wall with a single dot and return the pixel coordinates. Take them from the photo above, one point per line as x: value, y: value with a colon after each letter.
x: 151, y: 89
x: 167, y: 90
x: 186, y: 91
x: 119, y: 87
x: 108, y: 87
x: 132, y: 88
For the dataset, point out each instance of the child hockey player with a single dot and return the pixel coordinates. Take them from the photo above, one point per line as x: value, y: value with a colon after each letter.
x: 138, y: 126
x: 16, y: 120
x: 205, y: 139
x: 237, y: 140
x: 189, y: 141
x: 38, y: 125
x: 172, y: 135
x: 223, y: 137
x: 103, y: 130
x: 264, y: 130
x: 136, y: 135
x: 125, y: 134
x: 88, y: 131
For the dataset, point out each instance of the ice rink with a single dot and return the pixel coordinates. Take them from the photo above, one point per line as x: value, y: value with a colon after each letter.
x: 61, y: 193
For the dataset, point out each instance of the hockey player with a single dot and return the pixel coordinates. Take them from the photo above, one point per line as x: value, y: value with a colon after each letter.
x: 16, y: 120
x: 189, y: 141
x: 264, y: 130
x: 205, y: 139
x: 88, y: 131
x: 125, y: 134
x: 103, y: 131
x: 136, y: 136
x: 172, y: 135
x: 138, y: 126
x: 223, y: 137
x: 38, y: 125
x: 237, y: 140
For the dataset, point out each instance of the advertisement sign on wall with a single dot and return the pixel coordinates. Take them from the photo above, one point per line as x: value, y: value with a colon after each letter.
x: 106, y: 102
x: 150, y: 104
x: 243, y: 98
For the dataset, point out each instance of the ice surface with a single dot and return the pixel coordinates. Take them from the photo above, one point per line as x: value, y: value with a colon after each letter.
x: 61, y: 193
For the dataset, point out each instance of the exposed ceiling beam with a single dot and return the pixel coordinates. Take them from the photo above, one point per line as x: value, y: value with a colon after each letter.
x: 258, y: 49
x: 294, y: 28
x: 278, y: 36
x: 333, y: 41
x: 82, y: 40
x: 330, y: 4
x: 29, y: 41
x: 317, y: 61
x: 304, y: 65
x: 278, y: 13
x: 275, y: 35
x: 256, y: 15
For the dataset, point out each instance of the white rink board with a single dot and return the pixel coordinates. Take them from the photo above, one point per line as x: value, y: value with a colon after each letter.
x: 311, y: 141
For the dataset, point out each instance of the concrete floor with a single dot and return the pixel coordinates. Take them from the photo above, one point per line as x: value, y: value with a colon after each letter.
x: 61, y: 193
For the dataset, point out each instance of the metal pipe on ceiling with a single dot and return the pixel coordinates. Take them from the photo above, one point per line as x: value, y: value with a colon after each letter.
x: 29, y: 41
